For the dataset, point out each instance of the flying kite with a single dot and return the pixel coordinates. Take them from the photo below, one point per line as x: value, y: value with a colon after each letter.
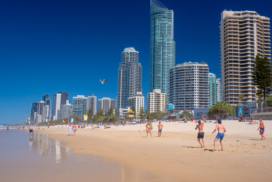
x: 102, y: 82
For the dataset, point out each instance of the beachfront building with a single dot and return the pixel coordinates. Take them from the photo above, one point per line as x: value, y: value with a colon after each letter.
x: 218, y: 90
x: 129, y: 77
x: 66, y: 110
x: 243, y: 34
x: 123, y: 112
x: 162, y: 45
x: 156, y: 101
x: 42, y: 111
x: 212, y: 89
x: 137, y: 102
x: 47, y: 100
x: 33, y: 112
x: 105, y: 104
x: 92, y: 103
x: 189, y: 86
x: 80, y: 105
x: 59, y: 99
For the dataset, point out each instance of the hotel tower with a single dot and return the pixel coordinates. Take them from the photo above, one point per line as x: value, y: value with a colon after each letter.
x: 243, y: 35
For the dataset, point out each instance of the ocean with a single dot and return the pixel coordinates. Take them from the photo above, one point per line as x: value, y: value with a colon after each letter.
x: 42, y: 159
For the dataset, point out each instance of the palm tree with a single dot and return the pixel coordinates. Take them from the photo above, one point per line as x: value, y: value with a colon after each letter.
x: 241, y: 97
x: 221, y: 109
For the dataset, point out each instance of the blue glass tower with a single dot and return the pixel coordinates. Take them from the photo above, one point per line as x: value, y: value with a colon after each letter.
x: 162, y: 45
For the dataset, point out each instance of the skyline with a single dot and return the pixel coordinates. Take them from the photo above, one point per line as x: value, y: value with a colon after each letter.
x: 50, y: 47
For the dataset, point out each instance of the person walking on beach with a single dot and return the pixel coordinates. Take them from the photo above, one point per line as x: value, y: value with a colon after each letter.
x: 160, y: 126
x: 148, y: 129
x: 70, y: 129
x: 200, y: 134
x: 31, y: 131
x: 74, y: 128
x: 261, y: 128
x: 221, y: 132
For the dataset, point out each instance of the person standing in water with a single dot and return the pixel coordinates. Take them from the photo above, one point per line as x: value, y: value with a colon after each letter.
x: 200, y: 134
x: 261, y: 128
x: 30, y: 131
x: 221, y: 132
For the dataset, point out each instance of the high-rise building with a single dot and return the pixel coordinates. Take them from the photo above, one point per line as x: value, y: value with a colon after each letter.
x: 212, y: 89
x: 92, y: 103
x: 66, y: 110
x: 47, y: 100
x: 162, y: 45
x: 59, y: 99
x: 33, y: 112
x: 129, y: 77
x: 42, y: 111
x: 137, y: 102
x: 156, y: 101
x: 80, y: 105
x: 189, y: 86
x: 105, y: 104
x: 243, y: 34
x: 218, y: 90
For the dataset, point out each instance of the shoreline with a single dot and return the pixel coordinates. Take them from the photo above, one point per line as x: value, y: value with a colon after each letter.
x: 176, y: 155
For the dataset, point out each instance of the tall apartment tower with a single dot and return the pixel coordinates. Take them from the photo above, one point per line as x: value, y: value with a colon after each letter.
x: 212, y: 89
x: 129, y: 77
x: 66, y: 110
x: 136, y: 101
x: 105, y: 104
x: 243, y: 34
x: 47, y: 100
x: 41, y: 112
x: 59, y: 99
x: 33, y: 112
x: 92, y: 103
x: 162, y: 45
x: 218, y: 90
x: 80, y: 105
x: 156, y: 101
x: 189, y: 86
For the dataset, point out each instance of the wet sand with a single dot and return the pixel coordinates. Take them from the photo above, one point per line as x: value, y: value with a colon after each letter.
x: 178, y: 155
x: 43, y: 159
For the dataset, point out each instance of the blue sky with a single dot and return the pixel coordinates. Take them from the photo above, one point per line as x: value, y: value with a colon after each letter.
x: 50, y: 46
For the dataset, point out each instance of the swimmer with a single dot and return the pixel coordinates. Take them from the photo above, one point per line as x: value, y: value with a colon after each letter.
x: 221, y: 132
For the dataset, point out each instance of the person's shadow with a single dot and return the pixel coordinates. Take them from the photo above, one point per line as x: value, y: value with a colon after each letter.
x: 191, y: 147
x: 208, y: 150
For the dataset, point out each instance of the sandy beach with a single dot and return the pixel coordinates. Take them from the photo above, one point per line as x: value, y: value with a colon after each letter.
x: 177, y: 154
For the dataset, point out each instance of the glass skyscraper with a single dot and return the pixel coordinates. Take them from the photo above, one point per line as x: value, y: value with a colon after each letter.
x: 162, y: 45
x: 129, y: 77
x: 212, y: 89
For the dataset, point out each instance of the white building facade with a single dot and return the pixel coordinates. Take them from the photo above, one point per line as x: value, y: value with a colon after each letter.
x: 137, y: 101
x: 243, y: 35
x: 156, y: 101
x: 189, y: 86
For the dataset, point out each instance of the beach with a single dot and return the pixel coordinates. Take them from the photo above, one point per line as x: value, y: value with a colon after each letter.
x: 177, y: 154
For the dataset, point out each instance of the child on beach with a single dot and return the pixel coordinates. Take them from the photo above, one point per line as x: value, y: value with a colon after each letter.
x: 70, y: 130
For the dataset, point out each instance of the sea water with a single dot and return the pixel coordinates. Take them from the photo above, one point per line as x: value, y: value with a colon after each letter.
x: 26, y: 159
